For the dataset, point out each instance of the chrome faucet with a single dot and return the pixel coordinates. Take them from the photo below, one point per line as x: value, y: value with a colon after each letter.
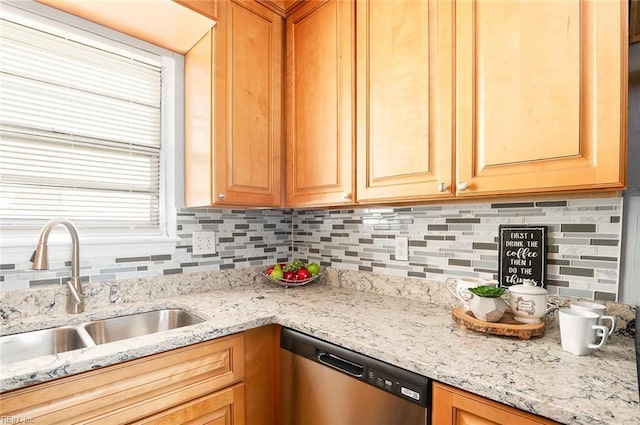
x: 75, y: 300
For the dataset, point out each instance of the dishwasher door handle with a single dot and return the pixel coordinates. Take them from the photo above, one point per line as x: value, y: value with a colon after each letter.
x: 353, y: 369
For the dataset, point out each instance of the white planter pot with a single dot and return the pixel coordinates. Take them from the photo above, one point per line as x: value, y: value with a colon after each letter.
x: 487, y: 309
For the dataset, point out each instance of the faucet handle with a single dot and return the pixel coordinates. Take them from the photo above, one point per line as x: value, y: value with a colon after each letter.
x: 33, y: 256
x: 75, y: 291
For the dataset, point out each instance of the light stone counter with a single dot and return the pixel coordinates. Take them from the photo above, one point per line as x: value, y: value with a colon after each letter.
x: 535, y: 375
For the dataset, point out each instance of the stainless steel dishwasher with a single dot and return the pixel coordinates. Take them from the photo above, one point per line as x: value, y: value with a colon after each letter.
x: 324, y: 384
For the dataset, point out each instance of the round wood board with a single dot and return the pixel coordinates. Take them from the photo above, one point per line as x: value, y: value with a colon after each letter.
x: 507, y: 326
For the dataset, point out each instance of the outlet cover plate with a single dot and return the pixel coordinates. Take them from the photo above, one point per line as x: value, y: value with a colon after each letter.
x: 402, y: 248
x: 203, y: 243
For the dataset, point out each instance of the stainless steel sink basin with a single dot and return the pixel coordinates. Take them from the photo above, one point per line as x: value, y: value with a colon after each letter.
x: 123, y: 327
x: 30, y: 345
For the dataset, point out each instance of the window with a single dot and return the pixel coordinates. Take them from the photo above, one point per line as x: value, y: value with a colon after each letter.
x: 80, y: 130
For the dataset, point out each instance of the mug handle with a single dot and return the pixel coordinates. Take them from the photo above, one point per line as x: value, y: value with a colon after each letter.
x: 447, y: 284
x: 604, y: 335
x: 554, y: 302
x: 613, y: 321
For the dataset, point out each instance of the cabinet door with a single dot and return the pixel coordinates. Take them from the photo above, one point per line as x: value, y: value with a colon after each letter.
x: 319, y: 104
x: 541, y: 95
x: 405, y: 98
x: 248, y: 113
x: 261, y: 378
x: 233, y: 113
x: 452, y: 406
x: 224, y: 407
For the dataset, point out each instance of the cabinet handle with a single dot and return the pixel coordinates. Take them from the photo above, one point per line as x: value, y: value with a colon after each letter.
x: 442, y: 187
x: 222, y: 196
x: 346, y: 196
x: 462, y: 186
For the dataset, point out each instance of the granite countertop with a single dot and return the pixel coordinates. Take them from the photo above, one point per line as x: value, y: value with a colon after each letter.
x: 534, y: 375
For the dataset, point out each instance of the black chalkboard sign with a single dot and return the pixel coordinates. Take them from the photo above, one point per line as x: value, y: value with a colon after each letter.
x: 522, y: 255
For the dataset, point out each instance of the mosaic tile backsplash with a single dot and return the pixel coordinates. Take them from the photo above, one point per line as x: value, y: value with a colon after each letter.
x: 244, y: 238
x: 444, y: 241
x: 462, y: 240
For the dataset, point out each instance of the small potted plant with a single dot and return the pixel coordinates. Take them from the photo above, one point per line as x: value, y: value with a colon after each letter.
x: 487, y: 303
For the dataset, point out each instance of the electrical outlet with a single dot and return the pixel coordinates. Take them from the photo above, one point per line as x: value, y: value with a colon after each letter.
x: 204, y: 243
x: 402, y: 249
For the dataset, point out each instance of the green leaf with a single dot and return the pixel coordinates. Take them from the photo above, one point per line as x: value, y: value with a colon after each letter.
x: 487, y: 291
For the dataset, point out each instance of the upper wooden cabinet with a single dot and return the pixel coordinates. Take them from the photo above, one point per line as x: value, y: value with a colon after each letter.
x: 319, y: 104
x: 540, y: 96
x: 165, y: 23
x: 536, y: 101
x: 233, y: 114
x: 466, y: 98
x: 282, y: 7
x: 208, y: 8
x: 405, y: 100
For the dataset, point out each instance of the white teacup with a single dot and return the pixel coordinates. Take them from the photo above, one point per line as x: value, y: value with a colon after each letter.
x: 579, y: 331
x: 598, y: 309
x: 459, y: 288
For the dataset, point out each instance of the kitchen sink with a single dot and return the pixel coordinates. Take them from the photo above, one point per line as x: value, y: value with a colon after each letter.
x: 30, y: 345
x: 123, y: 327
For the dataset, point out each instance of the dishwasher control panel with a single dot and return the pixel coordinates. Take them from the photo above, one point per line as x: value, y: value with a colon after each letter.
x: 396, y: 386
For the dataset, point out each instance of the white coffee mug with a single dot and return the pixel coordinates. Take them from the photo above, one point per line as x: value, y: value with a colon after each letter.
x: 459, y: 288
x: 598, y: 309
x: 579, y: 331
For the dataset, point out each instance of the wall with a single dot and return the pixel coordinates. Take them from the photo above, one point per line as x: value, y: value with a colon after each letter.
x: 456, y: 239
x: 245, y: 238
x: 461, y: 240
x: 630, y: 266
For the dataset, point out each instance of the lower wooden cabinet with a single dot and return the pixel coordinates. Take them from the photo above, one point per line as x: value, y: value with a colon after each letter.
x: 205, y: 383
x: 452, y: 406
x: 262, y: 375
x: 225, y: 407
x: 229, y: 381
x: 198, y: 384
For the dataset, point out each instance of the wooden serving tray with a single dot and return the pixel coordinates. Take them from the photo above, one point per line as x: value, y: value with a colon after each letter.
x: 506, y: 326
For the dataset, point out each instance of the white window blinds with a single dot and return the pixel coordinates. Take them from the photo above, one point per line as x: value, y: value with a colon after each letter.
x: 80, y: 131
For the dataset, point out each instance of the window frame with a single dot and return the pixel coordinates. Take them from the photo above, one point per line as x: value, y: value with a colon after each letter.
x: 17, y: 245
